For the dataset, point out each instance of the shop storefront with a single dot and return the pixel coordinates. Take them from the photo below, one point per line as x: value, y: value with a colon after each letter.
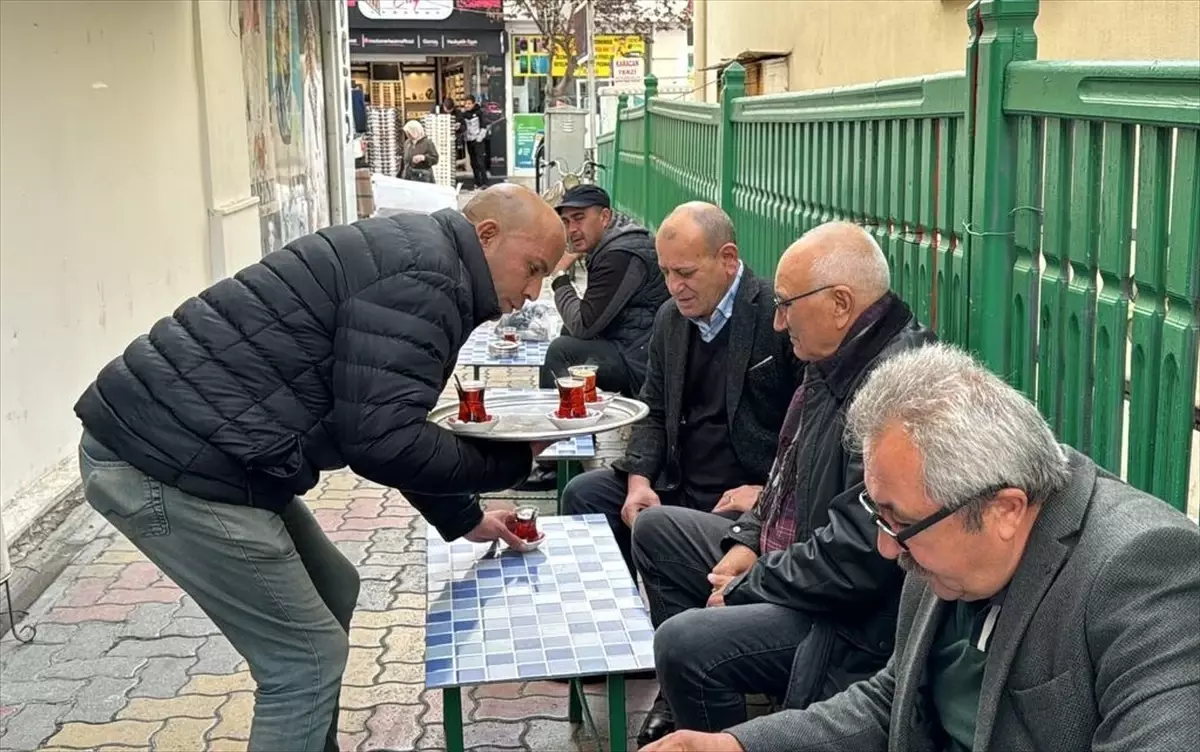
x: 413, y: 55
x: 535, y: 69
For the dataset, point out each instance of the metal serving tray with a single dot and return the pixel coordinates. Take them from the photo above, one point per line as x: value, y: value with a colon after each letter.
x: 522, y: 416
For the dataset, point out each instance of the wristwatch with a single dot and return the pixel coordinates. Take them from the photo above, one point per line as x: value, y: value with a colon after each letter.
x: 555, y: 276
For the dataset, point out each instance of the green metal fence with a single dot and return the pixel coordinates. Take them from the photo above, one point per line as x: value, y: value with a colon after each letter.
x: 1044, y: 214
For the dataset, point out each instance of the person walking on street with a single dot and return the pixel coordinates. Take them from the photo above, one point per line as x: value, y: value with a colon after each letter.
x: 420, y: 154
x: 474, y: 132
x: 200, y: 439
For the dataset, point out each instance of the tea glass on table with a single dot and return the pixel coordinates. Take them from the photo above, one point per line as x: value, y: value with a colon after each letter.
x: 572, y: 401
x: 523, y: 523
x: 588, y: 374
x: 508, y: 333
x: 470, y: 403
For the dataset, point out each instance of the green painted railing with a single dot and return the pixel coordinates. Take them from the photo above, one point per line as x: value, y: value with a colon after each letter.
x: 1046, y: 215
x: 1106, y: 263
x: 888, y: 156
x: 606, y: 150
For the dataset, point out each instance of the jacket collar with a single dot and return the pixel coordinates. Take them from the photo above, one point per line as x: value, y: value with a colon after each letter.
x: 871, y: 332
x: 484, y: 303
x: 1050, y: 545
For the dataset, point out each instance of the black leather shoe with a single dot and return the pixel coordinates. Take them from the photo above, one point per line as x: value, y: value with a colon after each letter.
x: 659, y: 722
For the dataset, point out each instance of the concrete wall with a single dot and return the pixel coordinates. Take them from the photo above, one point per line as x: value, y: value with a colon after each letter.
x: 124, y: 190
x: 838, y: 42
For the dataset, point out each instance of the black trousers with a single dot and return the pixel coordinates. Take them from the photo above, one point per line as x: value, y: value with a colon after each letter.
x: 565, y: 351
x: 603, y: 492
x: 708, y: 659
x: 475, y: 153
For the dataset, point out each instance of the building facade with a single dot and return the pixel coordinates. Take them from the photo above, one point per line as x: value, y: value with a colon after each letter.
x: 797, y: 45
x: 149, y: 149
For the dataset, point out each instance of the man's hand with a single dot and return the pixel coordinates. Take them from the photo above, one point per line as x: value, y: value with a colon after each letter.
x: 570, y: 257
x: 637, y: 500
x: 735, y: 563
x: 537, y: 447
x: 493, y: 526
x: 739, y: 499
x: 716, y: 598
x: 418, y: 158
x: 695, y: 741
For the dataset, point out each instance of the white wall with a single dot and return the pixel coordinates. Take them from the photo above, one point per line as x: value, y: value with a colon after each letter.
x: 114, y: 150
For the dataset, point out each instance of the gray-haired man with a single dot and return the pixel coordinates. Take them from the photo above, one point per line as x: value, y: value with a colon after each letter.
x: 1048, y: 605
x: 811, y: 605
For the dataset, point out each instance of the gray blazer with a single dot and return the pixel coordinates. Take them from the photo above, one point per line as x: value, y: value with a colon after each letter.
x: 1097, y: 646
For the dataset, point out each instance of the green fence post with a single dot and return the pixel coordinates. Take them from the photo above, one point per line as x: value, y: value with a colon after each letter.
x: 622, y: 105
x: 1002, y: 32
x: 649, y: 217
x: 734, y: 86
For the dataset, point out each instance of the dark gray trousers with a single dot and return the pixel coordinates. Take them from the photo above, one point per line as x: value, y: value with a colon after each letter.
x: 708, y: 659
x: 274, y: 584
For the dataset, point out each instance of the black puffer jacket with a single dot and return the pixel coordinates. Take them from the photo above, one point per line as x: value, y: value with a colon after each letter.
x: 328, y: 353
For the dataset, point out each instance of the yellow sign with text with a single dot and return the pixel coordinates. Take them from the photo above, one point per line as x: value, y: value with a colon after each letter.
x: 531, y: 56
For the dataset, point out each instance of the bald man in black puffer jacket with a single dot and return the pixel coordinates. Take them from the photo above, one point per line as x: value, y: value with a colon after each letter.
x: 200, y: 438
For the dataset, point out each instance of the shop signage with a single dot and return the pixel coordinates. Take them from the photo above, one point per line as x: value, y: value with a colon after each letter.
x: 426, y: 43
x: 527, y: 130
x: 627, y: 70
x: 531, y: 56
x: 406, y: 10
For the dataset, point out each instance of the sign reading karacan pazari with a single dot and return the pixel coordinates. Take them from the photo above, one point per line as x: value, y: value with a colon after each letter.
x: 531, y: 56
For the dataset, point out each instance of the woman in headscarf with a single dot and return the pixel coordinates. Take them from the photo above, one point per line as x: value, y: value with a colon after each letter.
x: 420, y: 154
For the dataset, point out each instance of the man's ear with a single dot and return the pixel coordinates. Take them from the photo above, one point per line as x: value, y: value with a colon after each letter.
x: 488, y: 232
x: 606, y: 215
x: 843, y: 302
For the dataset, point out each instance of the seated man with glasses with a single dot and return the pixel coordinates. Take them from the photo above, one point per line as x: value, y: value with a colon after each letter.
x: 795, y: 581
x: 1048, y: 605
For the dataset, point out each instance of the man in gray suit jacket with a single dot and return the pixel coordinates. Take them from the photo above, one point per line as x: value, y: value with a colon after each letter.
x: 1048, y: 605
x: 718, y: 381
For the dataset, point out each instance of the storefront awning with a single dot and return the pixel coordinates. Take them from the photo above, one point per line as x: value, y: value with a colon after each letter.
x: 748, y: 57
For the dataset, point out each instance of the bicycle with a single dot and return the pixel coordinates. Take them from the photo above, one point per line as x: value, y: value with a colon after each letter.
x: 567, y: 179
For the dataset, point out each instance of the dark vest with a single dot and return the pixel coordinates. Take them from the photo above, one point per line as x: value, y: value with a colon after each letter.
x: 630, y: 329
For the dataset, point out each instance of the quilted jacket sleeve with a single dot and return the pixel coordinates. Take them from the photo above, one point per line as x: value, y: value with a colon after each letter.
x: 392, y: 350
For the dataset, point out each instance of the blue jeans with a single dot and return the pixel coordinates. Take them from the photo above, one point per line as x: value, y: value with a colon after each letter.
x: 274, y: 584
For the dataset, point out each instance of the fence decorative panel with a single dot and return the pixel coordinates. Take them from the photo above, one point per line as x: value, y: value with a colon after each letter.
x: 1044, y: 214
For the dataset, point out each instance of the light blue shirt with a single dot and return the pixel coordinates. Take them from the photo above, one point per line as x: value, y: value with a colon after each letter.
x: 723, y: 312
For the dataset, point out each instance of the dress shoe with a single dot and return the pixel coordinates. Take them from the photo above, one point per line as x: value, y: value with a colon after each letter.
x: 659, y: 722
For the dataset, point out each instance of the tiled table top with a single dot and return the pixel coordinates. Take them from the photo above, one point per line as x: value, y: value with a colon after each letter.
x: 568, y: 609
x: 574, y: 448
x: 474, y: 352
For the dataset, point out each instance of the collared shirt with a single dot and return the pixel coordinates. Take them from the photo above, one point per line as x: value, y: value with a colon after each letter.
x: 956, y: 664
x: 723, y: 312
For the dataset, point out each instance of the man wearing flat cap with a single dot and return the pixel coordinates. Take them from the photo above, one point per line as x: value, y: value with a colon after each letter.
x: 608, y: 324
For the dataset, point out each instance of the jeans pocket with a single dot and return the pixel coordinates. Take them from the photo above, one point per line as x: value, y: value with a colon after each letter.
x: 128, y: 498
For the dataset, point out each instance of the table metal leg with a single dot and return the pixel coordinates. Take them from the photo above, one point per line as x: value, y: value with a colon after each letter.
x: 575, y: 702
x: 566, y: 470
x: 452, y: 719
x: 617, y: 730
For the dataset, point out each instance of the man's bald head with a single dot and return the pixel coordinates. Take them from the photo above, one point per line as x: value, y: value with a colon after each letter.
x: 522, y: 239
x: 824, y: 281
x: 698, y: 254
x: 712, y: 223
x: 839, y: 253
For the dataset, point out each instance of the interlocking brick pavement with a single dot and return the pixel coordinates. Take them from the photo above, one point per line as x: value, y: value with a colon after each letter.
x: 123, y: 660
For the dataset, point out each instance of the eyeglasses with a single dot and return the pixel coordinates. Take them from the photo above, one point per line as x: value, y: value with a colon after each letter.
x: 782, y: 305
x: 909, y: 530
